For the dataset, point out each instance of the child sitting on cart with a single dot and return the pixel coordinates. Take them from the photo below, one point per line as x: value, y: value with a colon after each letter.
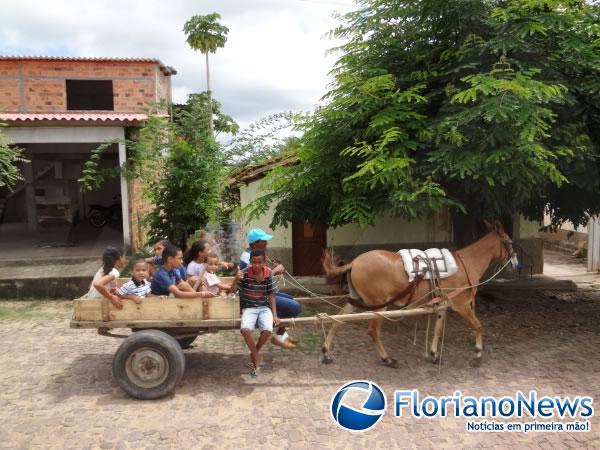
x: 139, y: 286
x: 156, y: 261
x: 104, y: 283
x: 168, y: 281
x: 257, y: 302
x: 212, y: 282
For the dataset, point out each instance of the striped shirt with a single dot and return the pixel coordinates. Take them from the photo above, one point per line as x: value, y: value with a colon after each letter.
x: 245, y: 262
x: 133, y: 288
x: 254, y: 293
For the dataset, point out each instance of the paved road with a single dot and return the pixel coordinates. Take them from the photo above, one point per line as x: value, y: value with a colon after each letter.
x: 56, y: 388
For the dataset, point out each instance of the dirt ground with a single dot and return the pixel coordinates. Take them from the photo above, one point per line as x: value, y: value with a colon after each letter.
x: 57, y: 391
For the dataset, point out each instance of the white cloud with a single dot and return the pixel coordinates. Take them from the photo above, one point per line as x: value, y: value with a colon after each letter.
x: 274, y: 59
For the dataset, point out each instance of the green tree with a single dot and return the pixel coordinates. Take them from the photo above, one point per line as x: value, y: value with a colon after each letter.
x: 187, y: 195
x: 486, y: 107
x: 206, y: 34
x: 192, y: 121
x: 10, y: 158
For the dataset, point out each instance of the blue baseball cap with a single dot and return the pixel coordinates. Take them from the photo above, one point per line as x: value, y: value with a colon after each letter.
x: 256, y: 234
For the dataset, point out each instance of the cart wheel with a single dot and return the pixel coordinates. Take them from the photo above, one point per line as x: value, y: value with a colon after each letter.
x: 186, y: 342
x: 148, y: 364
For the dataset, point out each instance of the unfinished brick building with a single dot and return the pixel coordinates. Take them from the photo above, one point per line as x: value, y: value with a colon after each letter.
x: 60, y: 108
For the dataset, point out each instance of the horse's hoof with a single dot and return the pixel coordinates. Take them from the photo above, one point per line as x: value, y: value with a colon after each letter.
x: 327, y: 359
x: 390, y: 362
x: 435, y: 359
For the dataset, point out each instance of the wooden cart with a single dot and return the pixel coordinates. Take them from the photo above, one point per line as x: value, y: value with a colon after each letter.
x: 150, y: 361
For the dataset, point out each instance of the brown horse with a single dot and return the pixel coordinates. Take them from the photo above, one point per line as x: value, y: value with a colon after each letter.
x: 378, y: 278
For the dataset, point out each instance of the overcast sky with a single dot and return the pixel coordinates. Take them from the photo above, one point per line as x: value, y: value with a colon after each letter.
x: 274, y: 59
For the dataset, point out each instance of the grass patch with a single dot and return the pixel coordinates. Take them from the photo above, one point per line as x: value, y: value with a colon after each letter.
x: 311, y: 341
x: 35, y: 309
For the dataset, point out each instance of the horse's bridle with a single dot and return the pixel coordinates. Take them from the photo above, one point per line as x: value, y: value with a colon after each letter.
x: 506, y: 244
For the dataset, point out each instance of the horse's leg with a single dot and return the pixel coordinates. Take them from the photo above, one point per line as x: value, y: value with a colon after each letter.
x: 328, y: 344
x: 437, y: 332
x: 467, y: 311
x: 375, y: 333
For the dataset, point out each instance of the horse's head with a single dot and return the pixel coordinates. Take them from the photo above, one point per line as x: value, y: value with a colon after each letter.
x: 505, y: 249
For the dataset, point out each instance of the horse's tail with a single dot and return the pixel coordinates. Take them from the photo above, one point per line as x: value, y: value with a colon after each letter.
x: 331, y: 265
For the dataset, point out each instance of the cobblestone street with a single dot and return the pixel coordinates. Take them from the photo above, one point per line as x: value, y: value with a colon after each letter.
x: 58, y: 392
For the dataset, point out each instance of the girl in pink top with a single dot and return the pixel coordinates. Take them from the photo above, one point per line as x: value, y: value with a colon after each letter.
x: 210, y: 280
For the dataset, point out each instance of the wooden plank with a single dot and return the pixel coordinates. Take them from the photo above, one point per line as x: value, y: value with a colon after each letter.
x: 235, y: 322
x: 156, y: 308
x: 104, y: 308
x: 205, y: 309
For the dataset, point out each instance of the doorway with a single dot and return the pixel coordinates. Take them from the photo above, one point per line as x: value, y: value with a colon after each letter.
x: 308, y: 243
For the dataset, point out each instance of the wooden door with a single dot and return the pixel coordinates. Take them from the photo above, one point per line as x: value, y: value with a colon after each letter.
x: 308, y: 244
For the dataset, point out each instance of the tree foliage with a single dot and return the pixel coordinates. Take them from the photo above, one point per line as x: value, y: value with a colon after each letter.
x: 191, y: 119
x: 205, y: 33
x: 187, y: 195
x: 10, y: 158
x: 485, y: 107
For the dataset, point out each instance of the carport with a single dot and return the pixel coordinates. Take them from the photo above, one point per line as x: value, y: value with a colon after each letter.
x: 49, y: 201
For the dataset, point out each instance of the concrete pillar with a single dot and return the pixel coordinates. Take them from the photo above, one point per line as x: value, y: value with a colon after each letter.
x: 124, y: 198
x: 30, y: 193
x: 593, y: 258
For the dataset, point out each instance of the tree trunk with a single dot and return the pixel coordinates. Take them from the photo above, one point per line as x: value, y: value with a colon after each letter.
x: 210, y: 119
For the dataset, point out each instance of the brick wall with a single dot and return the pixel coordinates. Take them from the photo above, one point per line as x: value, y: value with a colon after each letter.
x: 132, y: 95
x: 137, y: 208
x: 38, y: 86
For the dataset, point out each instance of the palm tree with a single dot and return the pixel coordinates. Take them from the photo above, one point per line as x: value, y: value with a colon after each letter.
x: 204, y: 33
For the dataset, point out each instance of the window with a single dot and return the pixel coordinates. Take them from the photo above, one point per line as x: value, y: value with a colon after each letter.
x: 90, y: 95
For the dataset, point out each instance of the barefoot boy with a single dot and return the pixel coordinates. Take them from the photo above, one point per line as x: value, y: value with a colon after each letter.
x: 257, y: 302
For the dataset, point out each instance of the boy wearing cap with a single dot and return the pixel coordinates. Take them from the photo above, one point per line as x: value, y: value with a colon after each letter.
x: 287, y: 307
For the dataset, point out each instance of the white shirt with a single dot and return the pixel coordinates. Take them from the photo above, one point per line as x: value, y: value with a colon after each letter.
x: 130, y: 288
x: 110, y: 286
x: 195, y: 269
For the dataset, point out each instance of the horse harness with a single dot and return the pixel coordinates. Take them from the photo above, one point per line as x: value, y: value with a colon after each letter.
x: 437, y: 294
x: 410, y: 289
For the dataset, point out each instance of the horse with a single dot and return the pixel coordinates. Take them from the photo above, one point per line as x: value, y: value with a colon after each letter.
x: 377, y: 279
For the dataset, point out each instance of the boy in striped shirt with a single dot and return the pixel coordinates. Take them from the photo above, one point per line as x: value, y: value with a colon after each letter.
x: 257, y: 302
x: 138, y: 287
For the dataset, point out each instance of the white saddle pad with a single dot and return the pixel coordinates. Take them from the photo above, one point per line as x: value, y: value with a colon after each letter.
x: 442, y: 260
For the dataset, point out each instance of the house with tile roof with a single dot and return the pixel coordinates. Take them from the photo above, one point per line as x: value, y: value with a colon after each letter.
x: 58, y: 109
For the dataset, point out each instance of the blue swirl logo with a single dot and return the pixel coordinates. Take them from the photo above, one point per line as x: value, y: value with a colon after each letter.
x: 365, y: 418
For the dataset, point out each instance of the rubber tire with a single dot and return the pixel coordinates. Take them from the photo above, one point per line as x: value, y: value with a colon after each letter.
x: 97, y: 219
x: 186, y: 342
x: 158, y: 341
